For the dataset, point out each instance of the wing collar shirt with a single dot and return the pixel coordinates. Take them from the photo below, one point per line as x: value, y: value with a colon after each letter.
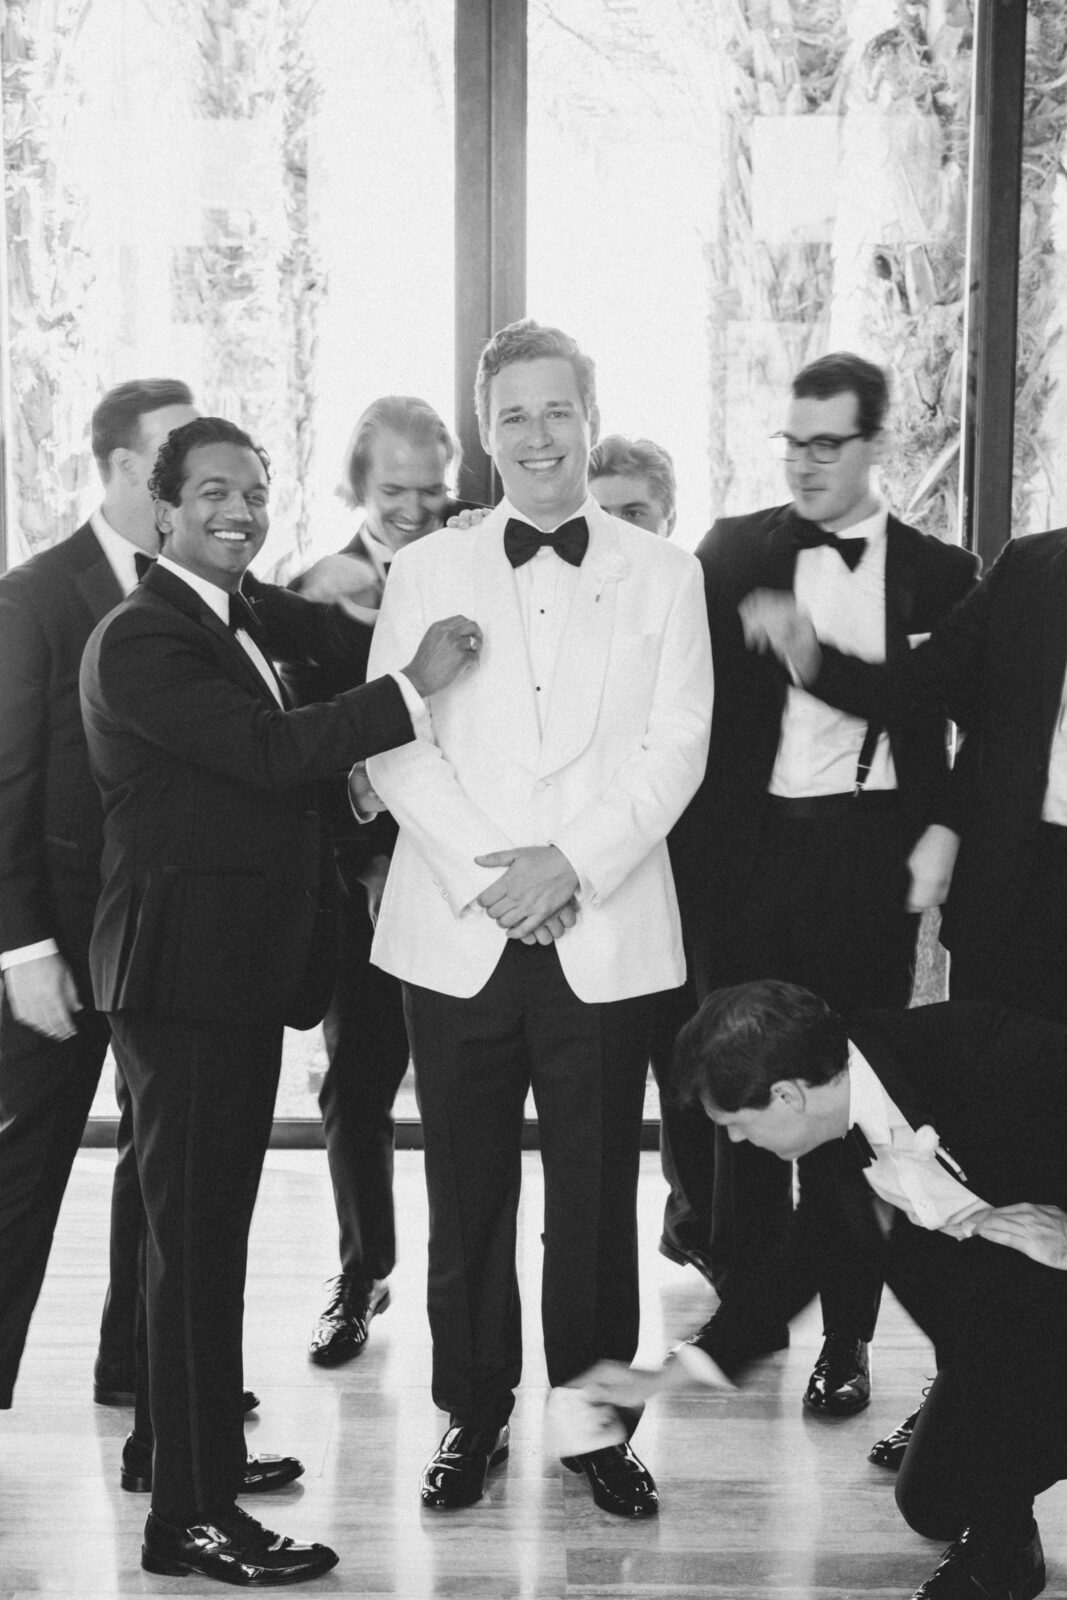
x: 905, y: 1170
x: 819, y: 747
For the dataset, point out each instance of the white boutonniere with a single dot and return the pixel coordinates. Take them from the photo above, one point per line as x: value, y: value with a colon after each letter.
x: 611, y: 567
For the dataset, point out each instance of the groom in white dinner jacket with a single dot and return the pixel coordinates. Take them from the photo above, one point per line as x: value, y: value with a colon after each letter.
x: 530, y: 909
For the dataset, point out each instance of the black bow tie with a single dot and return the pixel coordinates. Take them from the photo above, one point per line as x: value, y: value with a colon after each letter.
x: 570, y: 542
x: 863, y: 1151
x: 141, y: 563
x: 242, y: 616
x: 808, y: 535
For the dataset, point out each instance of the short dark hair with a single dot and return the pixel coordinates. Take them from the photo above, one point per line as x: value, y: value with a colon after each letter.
x: 845, y: 373
x: 527, y: 340
x: 116, y: 421
x: 744, y: 1039
x: 414, y: 419
x: 619, y: 457
x: 169, y: 474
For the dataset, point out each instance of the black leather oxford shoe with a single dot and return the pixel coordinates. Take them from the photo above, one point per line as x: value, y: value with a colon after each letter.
x: 840, y: 1382
x: 975, y: 1567
x: 261, y: 1474
x: 234, y: 1548
x: 889, y: 1450
x: 342, y: 1330
x: 456, y: 1474
x: 620, y: 1482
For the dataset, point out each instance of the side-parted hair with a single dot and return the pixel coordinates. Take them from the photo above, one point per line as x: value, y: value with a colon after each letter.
x: 413, y: 419
x: 744, y: 1039
x: 116, y: 421
x: 169, y: 473
x: 528, y: 340
x: 845, y: 373
x: 619, y: 457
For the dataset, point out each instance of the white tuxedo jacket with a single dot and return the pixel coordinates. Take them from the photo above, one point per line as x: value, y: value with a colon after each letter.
x: 623, y: 749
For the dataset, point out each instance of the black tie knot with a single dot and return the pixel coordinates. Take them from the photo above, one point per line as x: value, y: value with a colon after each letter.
x: 522, y: 542
x: 142, y: 563
x: 809, y: 535
x: 243, y: 616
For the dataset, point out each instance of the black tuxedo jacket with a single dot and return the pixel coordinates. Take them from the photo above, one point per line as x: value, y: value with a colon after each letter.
x: 993, y: 1083
x: 215, y: 904
x: 715, y: 844
x: 51, y: 827
x: 356, y: 844
x: 998, y: 664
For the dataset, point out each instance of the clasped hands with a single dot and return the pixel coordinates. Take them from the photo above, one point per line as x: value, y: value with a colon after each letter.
x: 534, y: 898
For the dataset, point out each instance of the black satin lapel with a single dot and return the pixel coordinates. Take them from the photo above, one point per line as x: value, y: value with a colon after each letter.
x: 779, y: 555
x: 159, y: 581
x: 901, y: 580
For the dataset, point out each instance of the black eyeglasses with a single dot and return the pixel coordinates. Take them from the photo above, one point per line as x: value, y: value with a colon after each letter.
x: 824, y: 448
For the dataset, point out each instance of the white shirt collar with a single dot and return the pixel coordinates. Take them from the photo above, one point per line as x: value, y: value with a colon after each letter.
x: 121, y: 552
x: 872, y: 528
x: 210, y: 593
x: 588, y: 505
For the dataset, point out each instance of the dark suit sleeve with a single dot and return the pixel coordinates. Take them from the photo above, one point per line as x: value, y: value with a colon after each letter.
x: 302, y: 634
x: 26, y: 913
x: 158, y: 676
x: 946, y: 670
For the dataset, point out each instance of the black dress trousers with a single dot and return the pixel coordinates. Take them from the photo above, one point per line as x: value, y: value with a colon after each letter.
x: 475, y: 1059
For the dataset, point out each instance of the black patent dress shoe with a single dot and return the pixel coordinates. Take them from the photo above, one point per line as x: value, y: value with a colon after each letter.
x: 261, y: 1473
x: 976, y: 1567
x: 234, y: 1548
x: 889, y: 1450
x: 840, y: 1382
x: 113, y: 1383
x: 455, y: 1476
x: 620, y: 1482
x: 341, y: 1332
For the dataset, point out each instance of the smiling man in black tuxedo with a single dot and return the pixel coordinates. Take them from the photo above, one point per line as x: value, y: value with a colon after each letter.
x: 213, y: 930
x: 806, y: 854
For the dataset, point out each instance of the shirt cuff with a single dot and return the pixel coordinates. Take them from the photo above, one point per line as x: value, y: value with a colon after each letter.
x: 28, y: 952
x: 418, y: 710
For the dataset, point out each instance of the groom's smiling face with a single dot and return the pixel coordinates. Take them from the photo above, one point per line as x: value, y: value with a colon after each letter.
x: 539, y: 437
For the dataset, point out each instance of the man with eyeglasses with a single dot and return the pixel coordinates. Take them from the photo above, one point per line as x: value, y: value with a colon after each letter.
x: 808, y: 852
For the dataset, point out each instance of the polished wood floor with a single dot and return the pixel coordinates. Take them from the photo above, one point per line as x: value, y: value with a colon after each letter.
x: 760, y: 1502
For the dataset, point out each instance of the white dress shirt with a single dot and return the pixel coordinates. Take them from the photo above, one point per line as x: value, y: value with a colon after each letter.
x: 819, y: 746
x: 545, y: 585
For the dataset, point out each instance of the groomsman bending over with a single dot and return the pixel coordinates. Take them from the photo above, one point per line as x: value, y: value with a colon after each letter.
x: 952, y: 1120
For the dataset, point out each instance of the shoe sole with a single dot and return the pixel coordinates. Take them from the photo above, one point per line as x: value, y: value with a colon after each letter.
x: 163, y: 1568
x: 328, y: 1358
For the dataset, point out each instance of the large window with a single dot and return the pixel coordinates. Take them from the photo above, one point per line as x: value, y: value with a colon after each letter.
x: 259, y: 196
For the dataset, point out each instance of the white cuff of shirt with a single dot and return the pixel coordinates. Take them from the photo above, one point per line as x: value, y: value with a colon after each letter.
x: 28, y: 952
x: 418, y: 710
